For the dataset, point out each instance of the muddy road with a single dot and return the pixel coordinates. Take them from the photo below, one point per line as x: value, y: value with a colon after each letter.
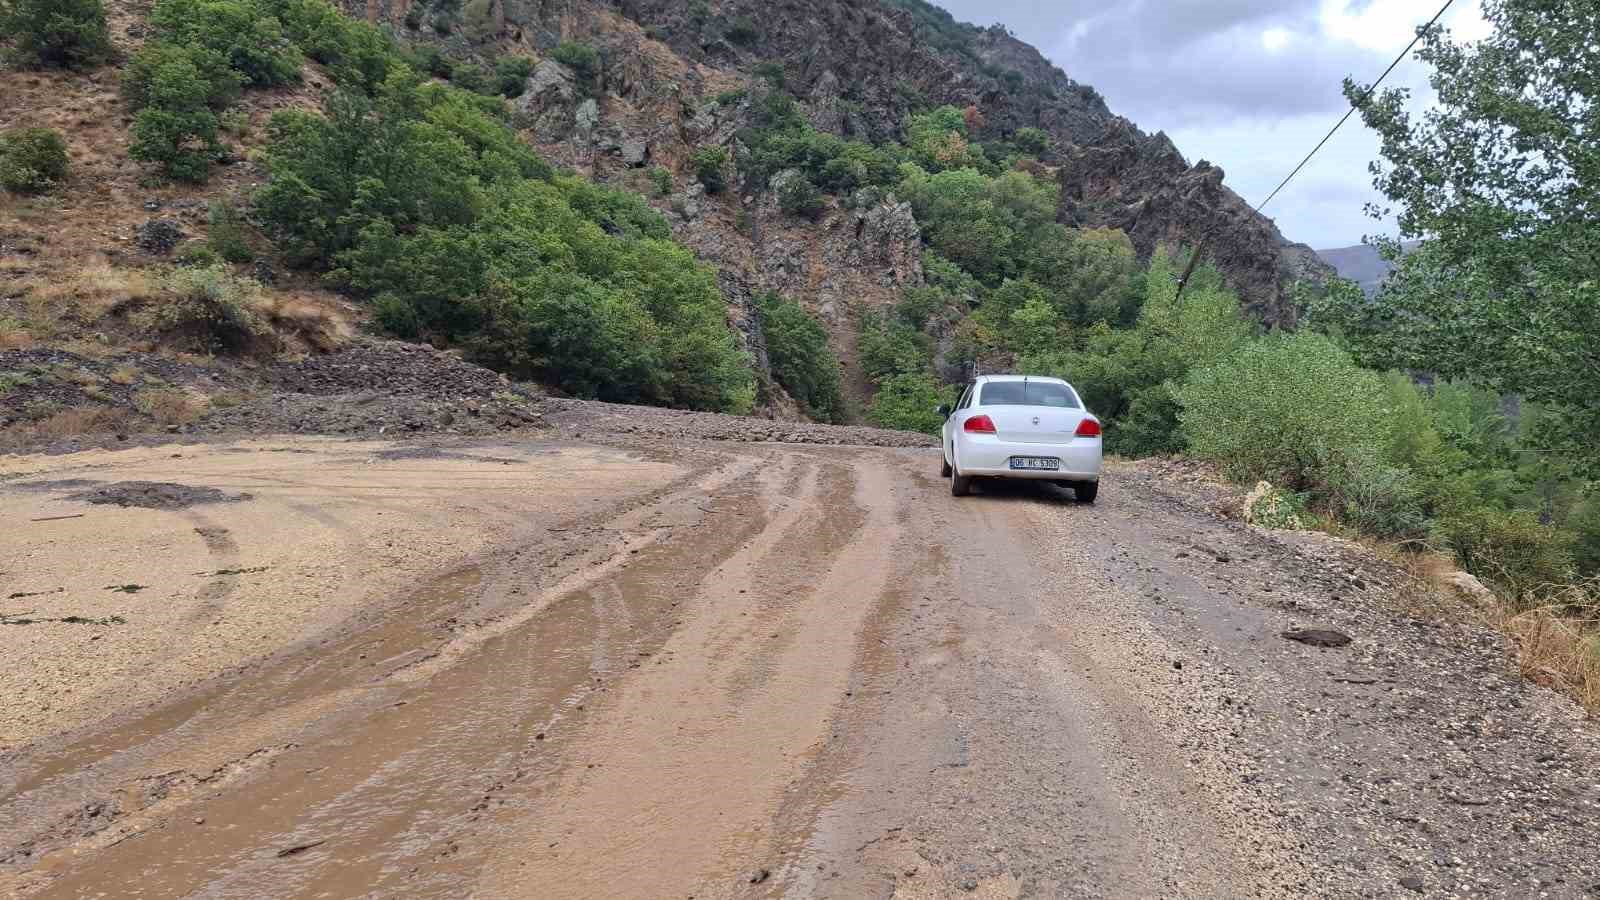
x: 612, y: 665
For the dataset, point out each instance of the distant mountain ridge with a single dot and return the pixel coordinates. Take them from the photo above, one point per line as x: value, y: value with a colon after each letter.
x: 1362, y: 264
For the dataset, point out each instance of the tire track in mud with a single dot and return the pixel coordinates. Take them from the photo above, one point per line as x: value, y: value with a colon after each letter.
x: 673, y: 790
x: 324, y: 697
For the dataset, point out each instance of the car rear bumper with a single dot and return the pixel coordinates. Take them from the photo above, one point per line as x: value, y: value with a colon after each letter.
x: 986, y: 457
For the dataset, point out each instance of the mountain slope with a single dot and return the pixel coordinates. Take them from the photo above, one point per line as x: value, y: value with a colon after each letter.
x: 860, y: 68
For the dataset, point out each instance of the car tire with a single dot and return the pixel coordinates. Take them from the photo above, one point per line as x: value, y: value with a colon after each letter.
x: 944, y: 466
x: 1086, y: 491
x: 960, y: 485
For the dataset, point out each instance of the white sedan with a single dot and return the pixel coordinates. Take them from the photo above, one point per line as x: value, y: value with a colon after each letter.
x: 1021, y: 426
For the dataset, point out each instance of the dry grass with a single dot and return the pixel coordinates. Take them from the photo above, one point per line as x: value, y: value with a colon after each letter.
x: 124, y: 375
x: 170, y: 407
x: 1557, y: 638
x: 72, y: 422
x: 318, y: 323
x: 1559, y: 650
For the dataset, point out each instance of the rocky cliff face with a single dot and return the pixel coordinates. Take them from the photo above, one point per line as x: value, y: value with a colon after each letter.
x: 859, y: 67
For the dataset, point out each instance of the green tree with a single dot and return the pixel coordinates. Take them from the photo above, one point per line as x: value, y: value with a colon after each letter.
x: 909, y: 402
x: 802, y: 361
x: 1502, y: 177
x: 68, y: 33
x: 176, y: 127
x: 939, y: 141
x: 248, y: 37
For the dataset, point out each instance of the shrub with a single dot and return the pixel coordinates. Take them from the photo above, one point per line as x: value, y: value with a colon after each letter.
x: 1523, y: 557
x: 802, y: 361
x: 32, y: 160
x: 70, y: 33
x: 208, y: 308
x: 797, y: 196
x: 661, y: 179
x: 743, y: 31
x: 226, y: 233
x: 511, y: 75
x: 582, y: 59
x: 772, y: 73
x: 182, y: 140
x: 910, y: 403
x: 1033, y: 141
x: 732, y: 98
x: 1287, y: 409
x: 710, y: 166
x: 469, y: 76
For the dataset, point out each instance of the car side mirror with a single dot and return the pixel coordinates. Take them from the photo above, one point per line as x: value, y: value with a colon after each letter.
x: 943, y: 410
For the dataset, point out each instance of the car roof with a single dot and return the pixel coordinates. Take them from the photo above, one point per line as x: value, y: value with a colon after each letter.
x: 985, y: 378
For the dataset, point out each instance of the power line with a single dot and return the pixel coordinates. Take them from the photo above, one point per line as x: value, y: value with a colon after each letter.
x: 1354, y: 106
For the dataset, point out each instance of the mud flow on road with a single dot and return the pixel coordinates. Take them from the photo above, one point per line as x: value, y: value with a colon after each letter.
x: 635, y: 666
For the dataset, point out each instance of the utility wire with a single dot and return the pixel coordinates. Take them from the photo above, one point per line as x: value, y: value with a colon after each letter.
x: 1364, y: 98
x: 1194, y: 259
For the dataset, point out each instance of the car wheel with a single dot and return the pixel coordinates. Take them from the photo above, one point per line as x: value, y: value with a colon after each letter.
x: 1086, y: 491
x: 960, y: 485
x: 944, y: 466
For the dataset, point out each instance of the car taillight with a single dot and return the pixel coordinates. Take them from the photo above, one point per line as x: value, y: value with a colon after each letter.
x: 979, y: 425
x: 1089, y: 428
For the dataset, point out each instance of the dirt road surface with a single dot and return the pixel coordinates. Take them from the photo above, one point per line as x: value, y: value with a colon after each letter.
x: 622, y: 659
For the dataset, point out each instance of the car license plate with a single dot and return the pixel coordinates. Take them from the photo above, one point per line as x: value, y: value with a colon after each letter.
x: 1046, y: 463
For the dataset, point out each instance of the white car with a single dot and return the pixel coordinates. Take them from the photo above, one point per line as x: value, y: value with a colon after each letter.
x: 1022, y: 426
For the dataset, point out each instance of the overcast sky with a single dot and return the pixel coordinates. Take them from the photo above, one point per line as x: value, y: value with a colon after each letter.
x: 1250, y: 85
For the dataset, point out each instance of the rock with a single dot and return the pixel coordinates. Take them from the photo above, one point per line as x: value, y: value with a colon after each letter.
x: 1411, y: 883
x: 635, y: 153
x: 1470, y: 587
x: 1318, y: 637
x: 586, y: 117
x: 546, y: 104
x: 888, y: 237
x: 759, y: 876
x: 158, y: 236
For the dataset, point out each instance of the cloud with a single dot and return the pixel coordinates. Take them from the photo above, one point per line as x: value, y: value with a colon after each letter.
x: 1251, y: 85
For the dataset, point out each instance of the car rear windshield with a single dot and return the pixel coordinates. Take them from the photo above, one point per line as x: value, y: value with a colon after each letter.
x: 1027, y: 393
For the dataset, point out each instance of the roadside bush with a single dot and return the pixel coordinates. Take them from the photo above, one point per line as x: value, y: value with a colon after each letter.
x: 910, y: 402
x: 1524, y: 558
x: 1289, y: 409
x: 710, y: 166
x: 511, y: 75
x: 802, y: 361
x: 32, y: 160
x: 582, y: 59
x: 67, y: 33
